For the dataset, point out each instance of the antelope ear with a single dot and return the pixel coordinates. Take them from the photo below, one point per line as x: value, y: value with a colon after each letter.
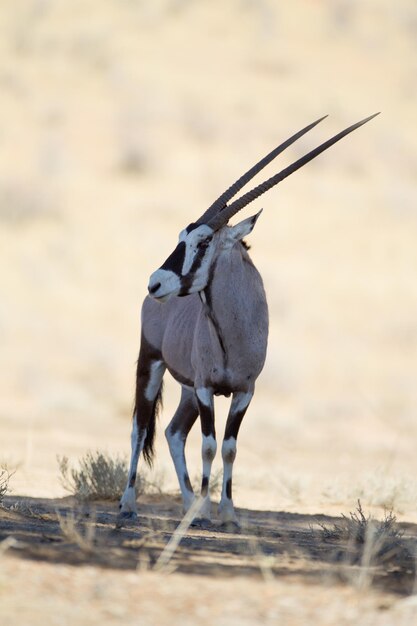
x: 244, y: 228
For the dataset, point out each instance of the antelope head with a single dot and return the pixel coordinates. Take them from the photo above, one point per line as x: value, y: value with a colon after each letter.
x: 187, y: 269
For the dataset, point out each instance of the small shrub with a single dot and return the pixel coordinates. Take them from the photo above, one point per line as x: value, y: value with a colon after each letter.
x: 98, y: 477
x: 357, y: 529
x: 102, y: 477
x: 371, y: 544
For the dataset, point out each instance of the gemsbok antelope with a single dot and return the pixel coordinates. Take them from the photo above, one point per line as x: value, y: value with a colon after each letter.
x: 206, y: 321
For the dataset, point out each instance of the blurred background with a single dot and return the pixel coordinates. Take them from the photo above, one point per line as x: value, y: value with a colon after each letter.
x: 120, y: 121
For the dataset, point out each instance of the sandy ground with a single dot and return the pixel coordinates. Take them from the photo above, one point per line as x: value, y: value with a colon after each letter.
x: 84, y: 567
x: 120, y: 123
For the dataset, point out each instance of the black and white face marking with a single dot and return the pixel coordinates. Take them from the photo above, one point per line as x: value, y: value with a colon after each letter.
x: 186, y: 270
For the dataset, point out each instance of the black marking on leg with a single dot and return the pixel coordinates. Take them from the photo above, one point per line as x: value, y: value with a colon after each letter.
x: 233, y: 424
x: 187, y: 482
x: 184, y: 417
x: 204, y: 486
x: 132, y: 480
x: 146, y: 411
x: 147, y: 353
x: 229, y: 488
x: 207, y: 420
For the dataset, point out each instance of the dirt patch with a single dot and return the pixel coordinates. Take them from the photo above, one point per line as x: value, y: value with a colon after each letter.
x: 269, y: 544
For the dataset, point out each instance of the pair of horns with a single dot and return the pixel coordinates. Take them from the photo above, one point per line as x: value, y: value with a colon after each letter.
x: 219, y: 213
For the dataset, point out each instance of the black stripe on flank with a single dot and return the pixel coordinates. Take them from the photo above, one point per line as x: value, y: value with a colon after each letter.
x: 210, y: 314
x: 175, y: 261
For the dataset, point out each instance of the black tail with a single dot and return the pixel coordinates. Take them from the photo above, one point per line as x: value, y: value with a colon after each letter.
x: 148, y: 446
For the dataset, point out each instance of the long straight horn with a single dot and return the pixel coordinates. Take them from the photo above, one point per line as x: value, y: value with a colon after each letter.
x: 222, y: 200
x: 222, y: 217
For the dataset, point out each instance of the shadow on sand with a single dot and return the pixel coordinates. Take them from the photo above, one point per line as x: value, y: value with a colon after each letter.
x: 269, y: 544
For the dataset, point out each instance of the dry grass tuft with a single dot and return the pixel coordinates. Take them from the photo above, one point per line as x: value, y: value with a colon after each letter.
x: 98, y: 477
x: 357, y: 528
x: 5, y: 476
x: 371, y: 544
x: 69, y: 528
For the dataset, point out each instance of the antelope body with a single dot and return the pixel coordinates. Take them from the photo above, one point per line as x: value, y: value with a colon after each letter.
x: 206, y: 321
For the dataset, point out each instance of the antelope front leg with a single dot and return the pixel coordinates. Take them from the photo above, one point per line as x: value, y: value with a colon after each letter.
x: 209, y: 447
x: 240, y: 403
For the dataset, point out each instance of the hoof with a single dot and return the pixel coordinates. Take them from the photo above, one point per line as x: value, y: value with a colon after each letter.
x: 126, y: 517
x: 230, y: 527
x: 201, y: 522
